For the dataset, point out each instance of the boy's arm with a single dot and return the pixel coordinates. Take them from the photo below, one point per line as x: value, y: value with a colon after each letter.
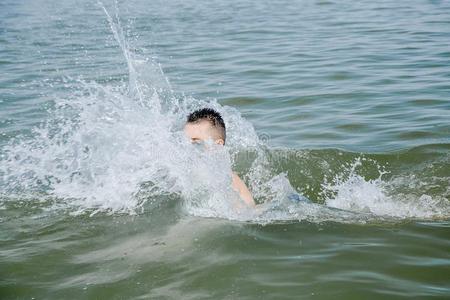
x: 241, y: 188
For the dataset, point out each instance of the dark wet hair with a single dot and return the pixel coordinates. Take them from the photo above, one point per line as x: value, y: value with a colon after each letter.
x: 210, y: 115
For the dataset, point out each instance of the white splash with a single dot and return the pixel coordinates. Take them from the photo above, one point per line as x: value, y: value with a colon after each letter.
x: 352, y: 192
x: 115, y: 147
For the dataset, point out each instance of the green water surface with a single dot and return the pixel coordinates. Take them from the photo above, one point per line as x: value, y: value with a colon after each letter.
x: 323, y: 83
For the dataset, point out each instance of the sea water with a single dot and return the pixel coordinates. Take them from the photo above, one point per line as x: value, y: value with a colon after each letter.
x: 343, y: 104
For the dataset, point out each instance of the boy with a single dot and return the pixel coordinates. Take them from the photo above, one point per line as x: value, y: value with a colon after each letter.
x: 207, y: 124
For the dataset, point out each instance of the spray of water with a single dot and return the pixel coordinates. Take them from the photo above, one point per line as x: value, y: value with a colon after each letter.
x: 115, y: 148
x: 350, y: 191
x: 103, y: 144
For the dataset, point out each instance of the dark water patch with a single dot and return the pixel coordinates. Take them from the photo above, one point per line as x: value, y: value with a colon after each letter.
x: 243, y: 101
x: 416, y: 135
x: 352, y: 127
x: 430, y: 102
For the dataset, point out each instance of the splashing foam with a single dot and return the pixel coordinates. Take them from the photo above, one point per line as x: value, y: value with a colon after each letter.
x: 114, y: 148
x: 350, y: 191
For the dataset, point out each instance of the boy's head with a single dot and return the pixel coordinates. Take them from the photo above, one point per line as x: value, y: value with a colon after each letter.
x: 205, y: 124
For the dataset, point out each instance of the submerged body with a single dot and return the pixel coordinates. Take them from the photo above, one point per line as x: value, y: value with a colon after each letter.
x: 206, y: 126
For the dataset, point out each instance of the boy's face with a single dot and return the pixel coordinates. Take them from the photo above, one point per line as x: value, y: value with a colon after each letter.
x: 202, y: 132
